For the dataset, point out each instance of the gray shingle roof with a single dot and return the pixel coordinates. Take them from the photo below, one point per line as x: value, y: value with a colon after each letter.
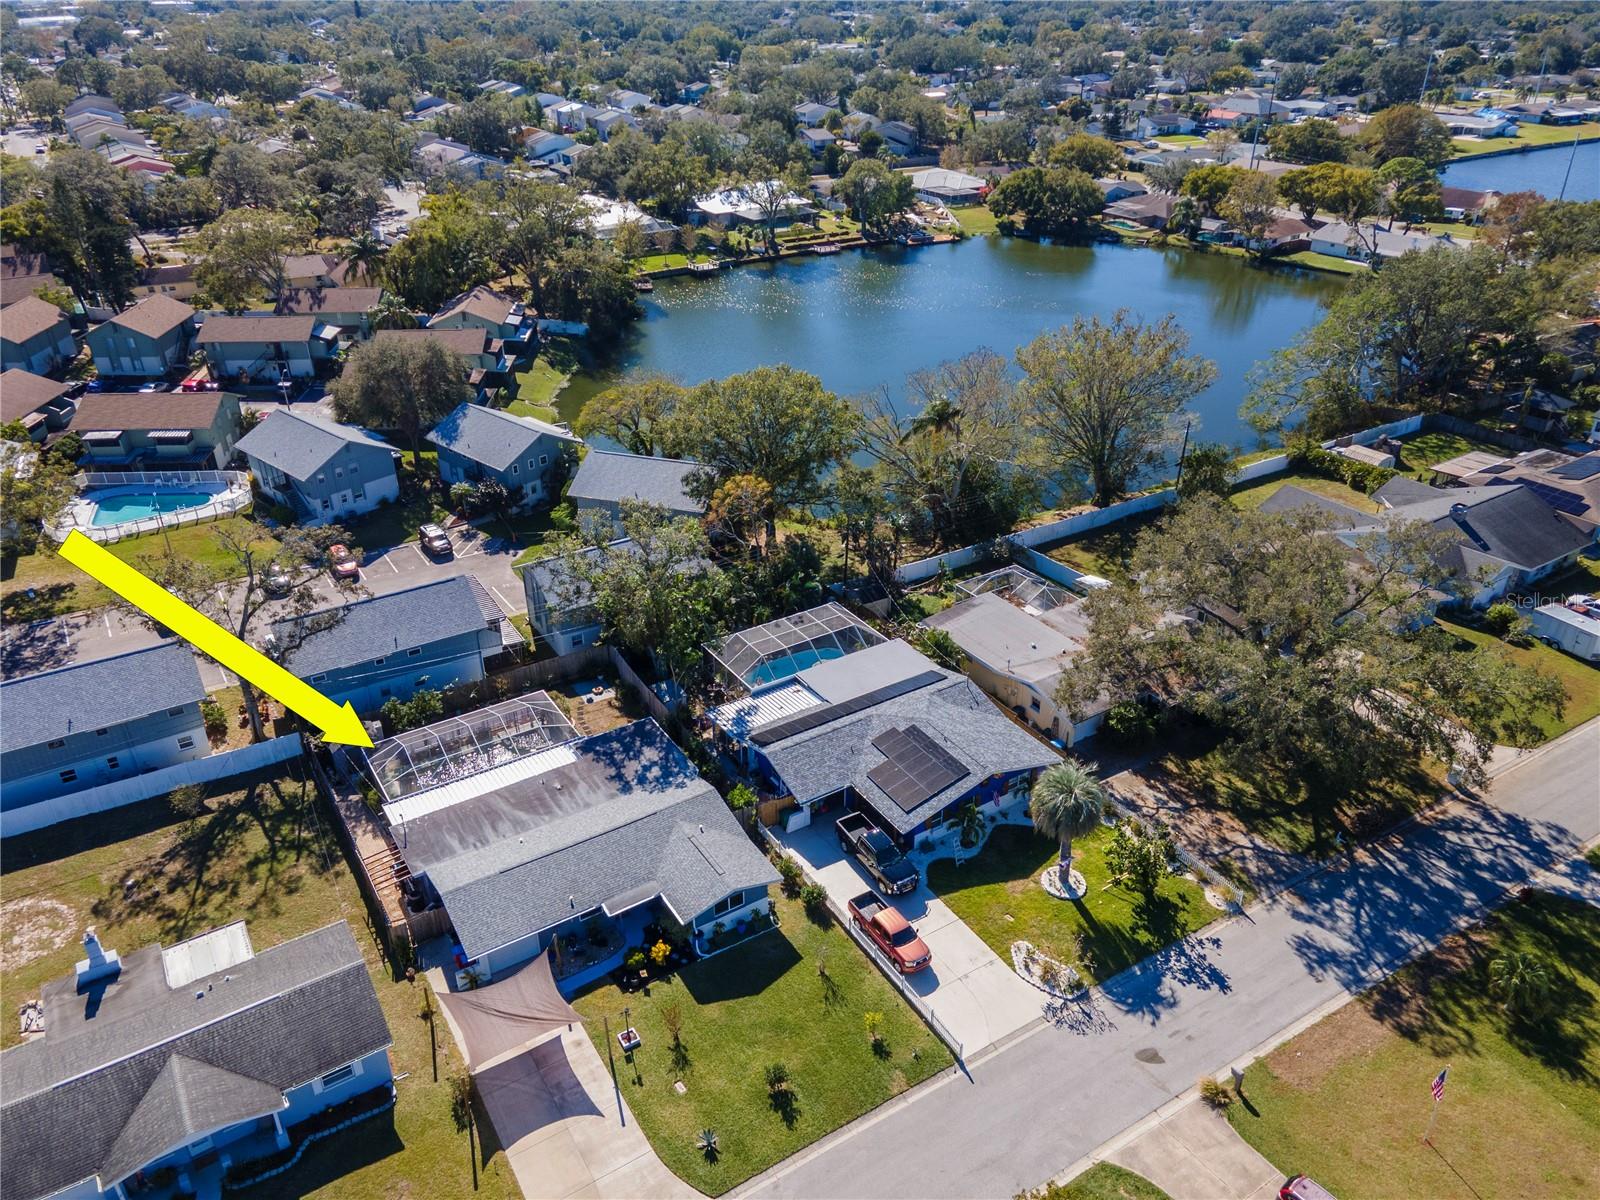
x: 1507, y: 523
x: 629, y: 815
x: 609, y: 477
x: 154, y: 316
x: 303, y: 301
x: 953, y: 712
x: 96, y: 695
x: 23, y: 392
x: 281, y: 1019
x: 299, y: 444
x: 383, y: 625
x: 261, y: 327
x: 492, y: 437
x: 28, y: 318
x: 1289, y: 498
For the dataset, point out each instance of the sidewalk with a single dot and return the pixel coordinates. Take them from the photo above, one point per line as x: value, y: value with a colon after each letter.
x: 1194, y: 1154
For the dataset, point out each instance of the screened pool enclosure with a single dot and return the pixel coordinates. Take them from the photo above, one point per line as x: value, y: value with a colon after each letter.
x: 456, y: 747
x: 767, y: 653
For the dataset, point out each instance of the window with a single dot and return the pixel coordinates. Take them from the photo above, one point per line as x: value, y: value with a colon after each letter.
x: 543, y: 459
x: 186, y: 742
x: 69, y: 776
x: 319, y: 678
x: 530, y: 464
x: 175, y: 712
x: 326, y: 504
x: 577, y: 640
x: 322, y: 477
x: 413, y: 652
x: 355, y: 468
x: 727, y: 904
x: 56, y: 745
x: 334, y: 1078
x: 515, y: 468
x: 377, y: 662
x: 101, y: 732
x: 112, y: 763
x: 338, y: 472
x: 1034, y: 705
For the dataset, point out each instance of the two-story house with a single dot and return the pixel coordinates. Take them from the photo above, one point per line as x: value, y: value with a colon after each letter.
x: 40, y: 404
x: 560, y: 607
x: 152, y: 430
x: 346, y: 308
x: 90, y: 723
x: 608, y: 479
x: 392, y: 646
x: 36, y: 336
x: 489, y: 364
x: 527, y: 456
x: 144, y: 341
x: 484, y: 308
x: 262, y: 348
x: 321, y: 470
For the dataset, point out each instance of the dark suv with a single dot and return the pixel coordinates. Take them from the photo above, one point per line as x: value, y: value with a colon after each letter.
x: 435, y: 540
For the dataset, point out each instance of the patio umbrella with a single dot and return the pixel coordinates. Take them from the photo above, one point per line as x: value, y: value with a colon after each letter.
x: 503, y: 1016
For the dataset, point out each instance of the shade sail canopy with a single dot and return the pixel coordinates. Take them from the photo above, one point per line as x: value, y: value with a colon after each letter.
x: 499, y: 1018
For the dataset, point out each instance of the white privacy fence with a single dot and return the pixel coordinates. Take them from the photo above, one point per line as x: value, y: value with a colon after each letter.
x: 234, y: 497
x: 154, y: 783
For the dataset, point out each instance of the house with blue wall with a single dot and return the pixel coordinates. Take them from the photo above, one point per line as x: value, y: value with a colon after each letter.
x: 840, y: 719
x: 152, y: 431
x: 489, y: 310
x: 608, y: 479
x: 322, y: 471
x: 560, y: 608
x: 95, y: 722
x: 577, y: 845
x: 145, y: 340
x: 176, y: 1063
x: 390, y: 647
x: 36, y: 336
x: 264, y: 348
x: 528, y: 457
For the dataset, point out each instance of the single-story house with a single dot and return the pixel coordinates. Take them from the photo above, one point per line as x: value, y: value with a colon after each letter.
x: 606, y: 121
x: 1153, y: 125
x: 93, y: 103
x: 484, y: 308
x: 817, y: 140
x: 606, y: 216
x: 321, y: 470
x: 1338, y: 240
x: 1568, y: 483
x: 175, y: 280
x: 177, y: 1059
x: 873, y: 726
x: 1152, y: 209
x: 437, y: 154
x: 608, y: 479
x: 948, y: 187
x: 1466, y: 204
x: 736, y: 206
x: 1573, y: 626
x: 22, y: 274
x: 1475, y: 125
x: 1284, y: 235
x: 344, y: 307
x: 559, y: 607
x: 145, y: 340
x: 527, y: 456
x: 90, y: 723
x: 392, y: 646
x: 40, y: 404
x: 628, y: 100
x: 260, y: 348
x: 156, y: 430
x: 36, y: 336
x: 1120, y: 189
x: 604, y: 834
x: 1020, y: 636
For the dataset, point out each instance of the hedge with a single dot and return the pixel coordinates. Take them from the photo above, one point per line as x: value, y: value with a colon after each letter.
x: 1363, y: 477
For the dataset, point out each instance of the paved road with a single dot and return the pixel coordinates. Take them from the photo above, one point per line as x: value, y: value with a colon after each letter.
x: 1040, y: 1103
x: 58, y: 641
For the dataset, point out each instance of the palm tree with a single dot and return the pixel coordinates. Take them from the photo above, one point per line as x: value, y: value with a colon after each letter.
x: 1066, y: 803
x: 364, y: 254
x: 1522, y: 984
x: 390, y: 312
x: 939, y: 415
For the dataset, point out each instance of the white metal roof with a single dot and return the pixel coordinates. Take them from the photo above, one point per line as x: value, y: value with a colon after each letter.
x: 473, y: 786
x: 740, y: 716
x: 207, y: 954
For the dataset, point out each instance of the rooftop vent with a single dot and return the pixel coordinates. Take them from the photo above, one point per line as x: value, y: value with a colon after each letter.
x: 100, y: 966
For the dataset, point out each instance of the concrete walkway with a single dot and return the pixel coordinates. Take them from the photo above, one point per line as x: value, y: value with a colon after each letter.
x: 1194, y: 1154
x: 976, y: 995
x: 566, y: 1130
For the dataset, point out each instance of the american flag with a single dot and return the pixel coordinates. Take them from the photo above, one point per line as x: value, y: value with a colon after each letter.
x: 1438, y: 1085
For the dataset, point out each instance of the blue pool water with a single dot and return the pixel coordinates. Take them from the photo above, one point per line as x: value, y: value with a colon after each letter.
x: 775, y: 669
x: 136, y: 506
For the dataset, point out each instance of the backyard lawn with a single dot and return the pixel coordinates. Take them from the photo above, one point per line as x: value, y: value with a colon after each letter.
x: 538, y: 386
x: 1528, y: 135
x: 974, y: 219
x: 1323, y: 262
x: 1581, y: 680
x: 59, y: 587
x: 996, y: 892
x: 1106, y: 551
x: 1427, y: 450
x: 265, y: 854
x: 1347, y: 1100
x: 765, y: 1001
x: 1252, y: 495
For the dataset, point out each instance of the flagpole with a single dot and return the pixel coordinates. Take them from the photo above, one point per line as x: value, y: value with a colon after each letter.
x: 1438, y: 1096
x: 1432, y: 1117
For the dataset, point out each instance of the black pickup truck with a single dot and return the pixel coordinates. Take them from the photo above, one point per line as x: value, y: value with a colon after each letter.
x: 876, y: 849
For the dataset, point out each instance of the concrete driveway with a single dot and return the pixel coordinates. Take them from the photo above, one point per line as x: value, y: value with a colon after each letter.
x: 977, y: 996
x: 1194, y: 1154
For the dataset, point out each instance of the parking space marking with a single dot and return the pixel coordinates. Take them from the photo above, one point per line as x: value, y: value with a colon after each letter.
x: 509, y: 611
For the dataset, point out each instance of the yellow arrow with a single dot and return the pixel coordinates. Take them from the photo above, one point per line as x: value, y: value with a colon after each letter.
x: 339, y: 725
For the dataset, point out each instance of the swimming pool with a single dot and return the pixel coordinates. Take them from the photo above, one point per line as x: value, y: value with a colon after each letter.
x: 114, y: 508
x: 786, y: 665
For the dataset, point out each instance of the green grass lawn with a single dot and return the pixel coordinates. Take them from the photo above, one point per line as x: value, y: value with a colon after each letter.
x: 1427, y: 450
x: 762, y: 1002
x: 1459, y: 230
x: 1254, y: 494
x: 1117, y: 927
x: 60, y: 587
x: 1323, y: 262
x: 1179, y: 139
x: 1347, y: 1100
x: 1105, y: 551
x: 1529, y: 135
x: 538, y: 386
x: 1581, y: 681
x: 1103, y: 1181
x: 264, y: 853
x: 1266, y: 799
x: 974, y: 219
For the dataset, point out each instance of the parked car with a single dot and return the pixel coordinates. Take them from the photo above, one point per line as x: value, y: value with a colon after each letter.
x: 1303, y: 1187
x: 877, y: 852
x: 278, y: 581
x: 891, y: 932
x: 435, y: 540
x: 342, y: 564
x: 200, y: 381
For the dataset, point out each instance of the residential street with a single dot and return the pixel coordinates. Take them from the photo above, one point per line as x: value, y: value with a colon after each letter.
x: 1057, y: 1093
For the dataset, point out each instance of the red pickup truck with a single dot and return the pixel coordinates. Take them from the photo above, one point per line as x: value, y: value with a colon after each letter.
x: 892, y: 932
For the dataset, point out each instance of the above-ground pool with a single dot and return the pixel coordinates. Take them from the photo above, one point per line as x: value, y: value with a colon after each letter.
x: 116, y: 506
x: 786, y: 665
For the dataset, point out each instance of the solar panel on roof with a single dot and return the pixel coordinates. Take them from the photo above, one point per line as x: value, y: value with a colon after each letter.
x: 1557, y: 499
x: 821, y: 715
x: 915, y: 767
x: 1579, y: 468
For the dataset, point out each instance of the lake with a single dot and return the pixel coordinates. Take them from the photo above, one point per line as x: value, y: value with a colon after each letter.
x: 863, y: 320
x: 1537, y: 170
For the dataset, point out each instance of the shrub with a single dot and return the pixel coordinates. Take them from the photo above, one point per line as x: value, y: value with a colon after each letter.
x: 659, y: 953
x: 461, y: 1102
x: 815, y: 898
x: 1130, y: 723
x: 791, y: 878
x: 1501, y: 618
x: 706, y: 1142
x: 777, y: 1077
x: 215, y: 718
x: 741, y: 798
x: 635, y: 959
x: 1363, y: 477
x: 1215, y: 1094
x: 188, y: 801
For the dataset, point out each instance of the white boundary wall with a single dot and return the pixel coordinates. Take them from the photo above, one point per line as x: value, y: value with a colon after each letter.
x: 143, y: 787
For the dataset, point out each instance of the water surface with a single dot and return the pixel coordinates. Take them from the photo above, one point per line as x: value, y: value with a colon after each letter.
x: 1539, y: 171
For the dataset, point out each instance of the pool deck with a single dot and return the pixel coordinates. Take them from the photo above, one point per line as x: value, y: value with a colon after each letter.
x: 211, y: 499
